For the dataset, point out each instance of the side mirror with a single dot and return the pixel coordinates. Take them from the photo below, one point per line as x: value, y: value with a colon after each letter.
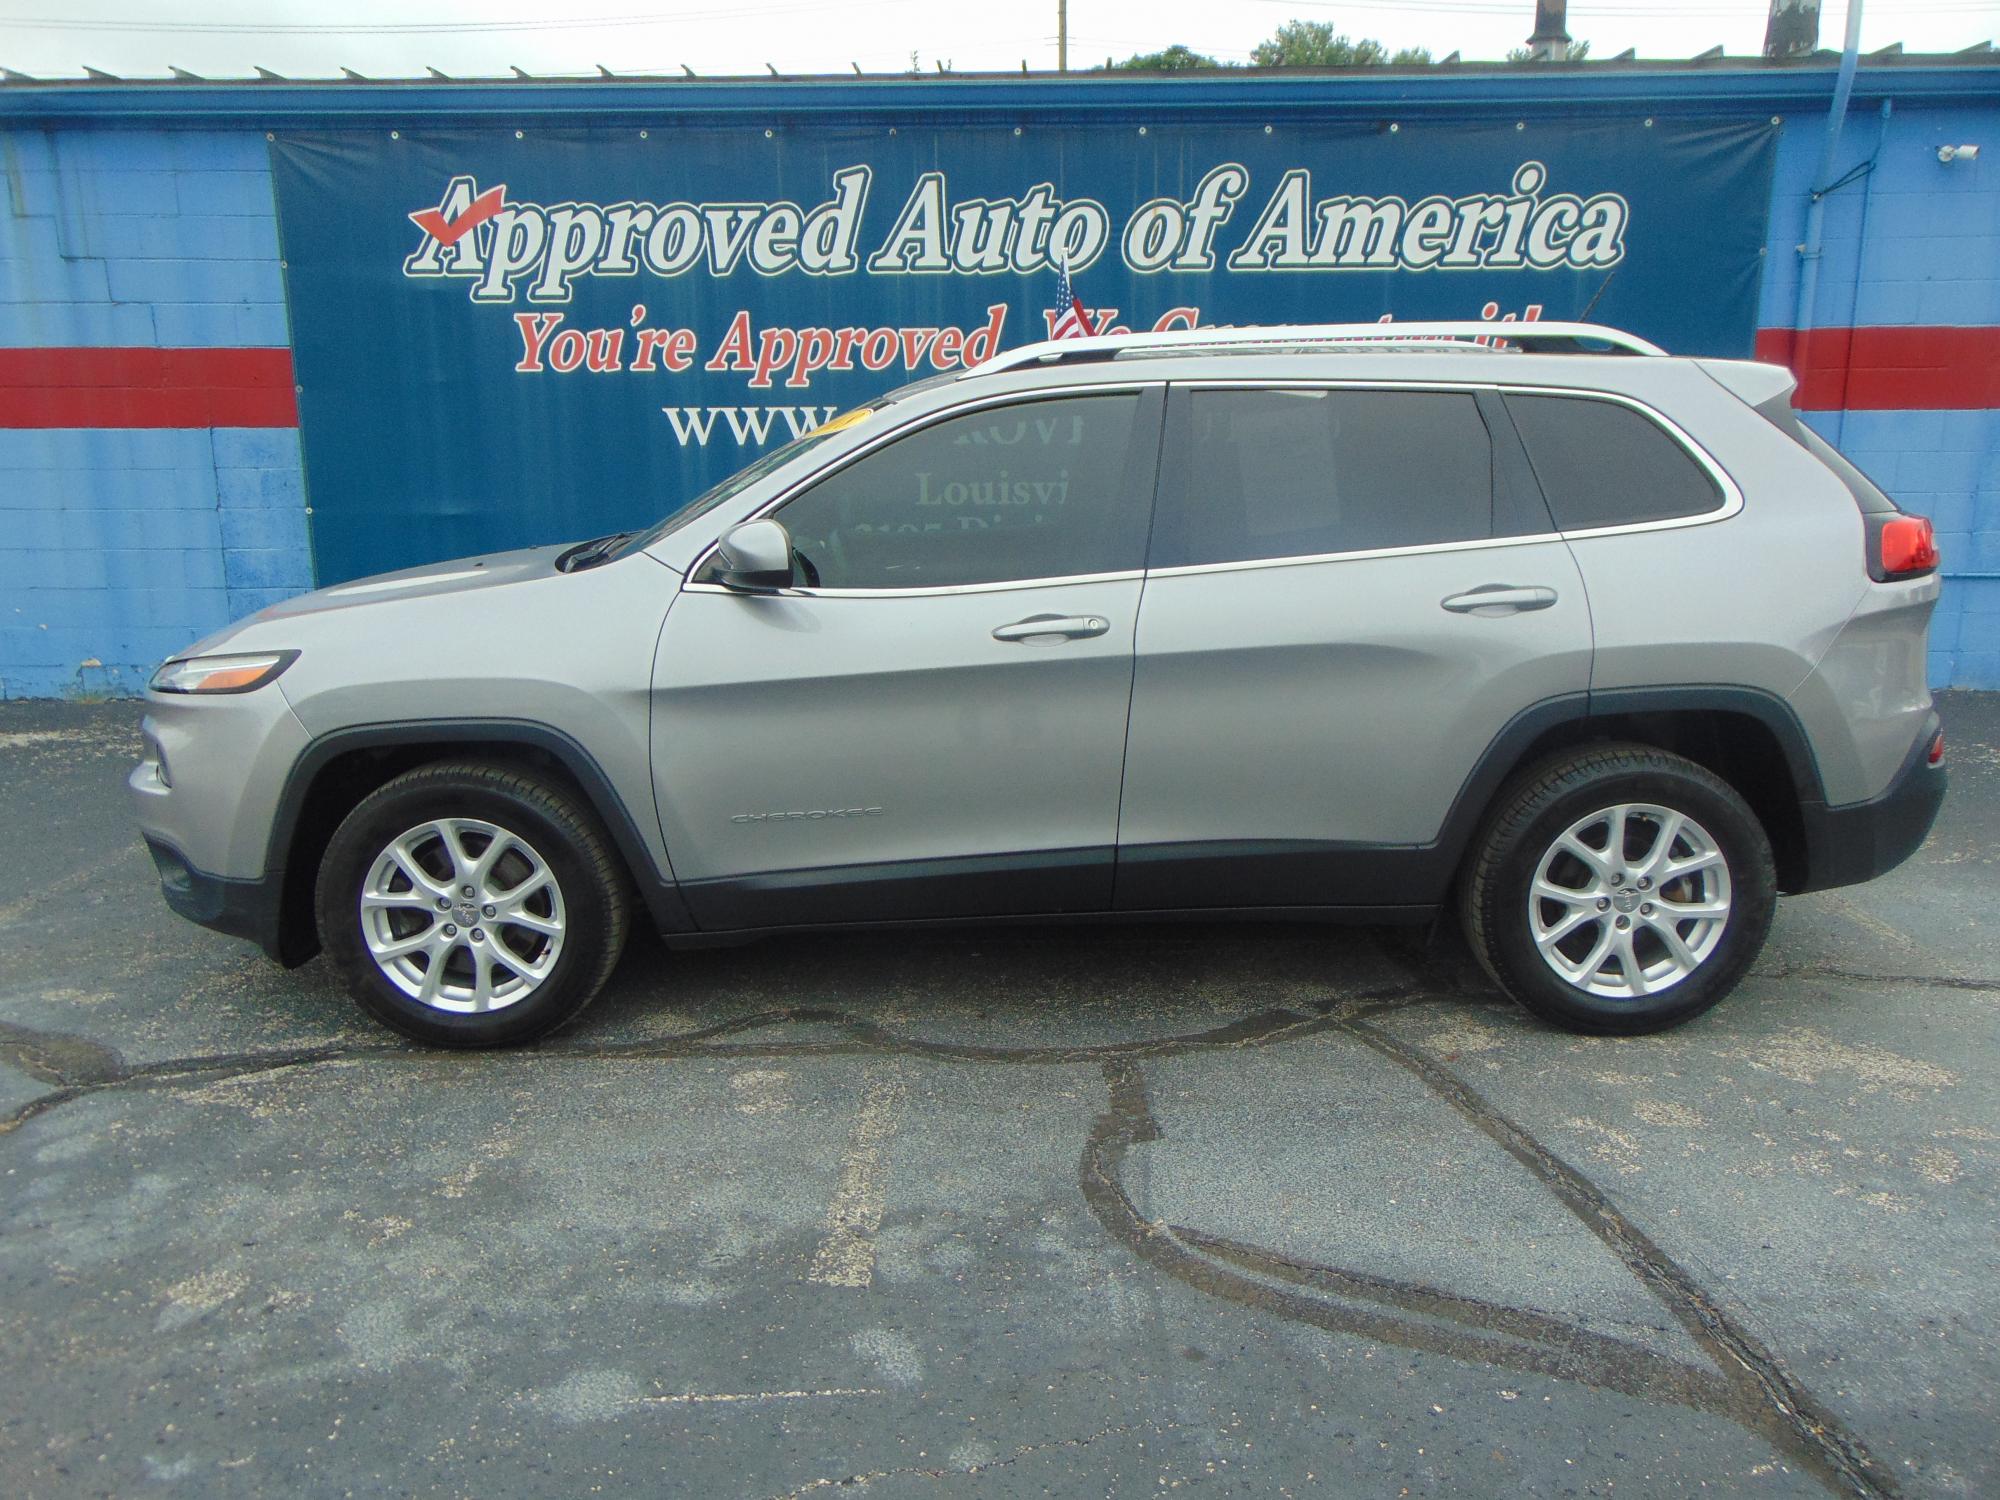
x: 755, y: 557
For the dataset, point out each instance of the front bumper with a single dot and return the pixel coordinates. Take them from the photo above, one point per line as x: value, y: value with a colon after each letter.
x: 1857, y: 842
x: 212, y: 775
x: 205, y: 797
x: 240, y: 908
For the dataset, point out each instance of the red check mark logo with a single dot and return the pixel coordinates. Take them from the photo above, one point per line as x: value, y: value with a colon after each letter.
x: 448, y: 232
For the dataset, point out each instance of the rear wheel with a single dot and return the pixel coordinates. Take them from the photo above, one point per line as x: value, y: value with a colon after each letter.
x: 1619, y: 890
x: 471, y: 905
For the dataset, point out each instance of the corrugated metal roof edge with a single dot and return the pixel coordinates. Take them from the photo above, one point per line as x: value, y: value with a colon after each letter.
x: 1366, y: 93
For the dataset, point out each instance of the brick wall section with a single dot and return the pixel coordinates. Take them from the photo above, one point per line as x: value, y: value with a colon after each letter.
x: 118, y: 548
x: 261, y: 499
x: 166, y: 238
x: 1914, y: 242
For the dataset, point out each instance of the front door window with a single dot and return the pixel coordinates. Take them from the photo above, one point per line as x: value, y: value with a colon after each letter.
x: 1013, y: 493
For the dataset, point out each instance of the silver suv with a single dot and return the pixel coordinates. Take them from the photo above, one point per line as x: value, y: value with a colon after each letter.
x: 1603, y: 648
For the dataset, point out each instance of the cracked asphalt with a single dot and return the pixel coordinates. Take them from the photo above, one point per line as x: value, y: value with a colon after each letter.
x: 1264, y: 1211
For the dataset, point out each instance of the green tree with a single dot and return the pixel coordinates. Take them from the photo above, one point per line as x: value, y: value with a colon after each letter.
x: 1171, y: 60
x: 1578, y: 51
x: 1306, y: 44
x: 1315, y: 44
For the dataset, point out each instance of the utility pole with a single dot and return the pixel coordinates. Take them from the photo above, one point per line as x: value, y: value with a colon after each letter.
x: 1062, y: 36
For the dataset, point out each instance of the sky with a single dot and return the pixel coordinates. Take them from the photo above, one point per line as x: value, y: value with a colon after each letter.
x: 400, y: 38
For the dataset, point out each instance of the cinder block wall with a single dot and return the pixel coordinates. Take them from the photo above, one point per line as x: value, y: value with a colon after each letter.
x: 151, y: 487
x: 120, y: 545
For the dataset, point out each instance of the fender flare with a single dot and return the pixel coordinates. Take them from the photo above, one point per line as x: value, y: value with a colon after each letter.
x: 656, y: 888
x: 1504, y: 755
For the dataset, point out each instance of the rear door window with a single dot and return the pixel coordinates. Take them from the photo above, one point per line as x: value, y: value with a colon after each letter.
x: 1602, y: 463
x: 1285, y: 472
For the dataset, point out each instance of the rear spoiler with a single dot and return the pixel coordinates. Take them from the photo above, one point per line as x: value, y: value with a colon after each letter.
x: 1753, y: 383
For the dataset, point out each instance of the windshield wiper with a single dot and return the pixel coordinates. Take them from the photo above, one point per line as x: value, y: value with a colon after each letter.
x: 589, y: 554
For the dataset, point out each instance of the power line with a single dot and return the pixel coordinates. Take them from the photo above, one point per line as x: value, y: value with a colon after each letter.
x: 432, y: 28
x: 1599, y: 10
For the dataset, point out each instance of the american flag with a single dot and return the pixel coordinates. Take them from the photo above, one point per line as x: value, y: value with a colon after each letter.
x: 1072, y: 319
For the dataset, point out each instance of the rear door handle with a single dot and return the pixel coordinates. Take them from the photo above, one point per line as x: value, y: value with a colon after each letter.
x: 1499, y: 599
x: 1050, y: 630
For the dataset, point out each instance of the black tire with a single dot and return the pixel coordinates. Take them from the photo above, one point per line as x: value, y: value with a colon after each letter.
x: 1536, y: 809
x: 561, y: 830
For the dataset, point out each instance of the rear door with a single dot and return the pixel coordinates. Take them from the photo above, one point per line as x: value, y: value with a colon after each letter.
x: 1352, y: 589
x: 934, y: 724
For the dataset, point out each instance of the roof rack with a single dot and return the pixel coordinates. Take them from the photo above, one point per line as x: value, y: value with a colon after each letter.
x: 1343, y: 335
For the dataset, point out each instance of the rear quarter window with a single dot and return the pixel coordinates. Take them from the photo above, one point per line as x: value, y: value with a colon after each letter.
x: 1601, y: 463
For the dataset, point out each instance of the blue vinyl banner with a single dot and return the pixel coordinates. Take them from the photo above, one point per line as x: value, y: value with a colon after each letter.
x: 508, y: 338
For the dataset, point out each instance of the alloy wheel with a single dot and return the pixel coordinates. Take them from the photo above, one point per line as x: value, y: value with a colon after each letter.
x: 462, y: 915
x: 1630, y: 900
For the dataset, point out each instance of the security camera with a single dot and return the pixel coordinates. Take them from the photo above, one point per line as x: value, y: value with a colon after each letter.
x: 1958, y: 153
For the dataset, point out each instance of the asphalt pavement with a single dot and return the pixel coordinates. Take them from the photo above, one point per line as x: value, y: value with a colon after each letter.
x: 1115, y: 1211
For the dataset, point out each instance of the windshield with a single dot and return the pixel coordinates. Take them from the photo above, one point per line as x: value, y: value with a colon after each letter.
x: 743, y: 478
x: 735, y: 484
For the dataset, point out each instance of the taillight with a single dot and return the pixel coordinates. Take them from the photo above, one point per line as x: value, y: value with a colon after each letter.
x: 1936, y: 753
x: 1900, y: 547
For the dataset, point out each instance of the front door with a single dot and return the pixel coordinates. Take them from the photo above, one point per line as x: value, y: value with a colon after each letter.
x: 1354, y: 589
x: 933, y: 724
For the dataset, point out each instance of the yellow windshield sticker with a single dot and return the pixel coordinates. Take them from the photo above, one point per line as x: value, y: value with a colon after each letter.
x: 846, y: 419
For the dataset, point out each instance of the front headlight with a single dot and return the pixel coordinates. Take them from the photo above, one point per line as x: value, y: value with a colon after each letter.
x: 221, y: 674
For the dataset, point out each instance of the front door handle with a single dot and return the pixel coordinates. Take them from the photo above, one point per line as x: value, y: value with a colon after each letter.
x: 1499, y: 599
x: 1050, y: 630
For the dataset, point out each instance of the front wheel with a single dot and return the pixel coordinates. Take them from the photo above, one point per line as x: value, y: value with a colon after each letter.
x: 1619, y: 890
x: 471, y: 905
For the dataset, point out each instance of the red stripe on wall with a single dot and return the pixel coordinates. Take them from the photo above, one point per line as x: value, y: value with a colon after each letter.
x: 147, y: 388
x: 1888, y: 369
x: 1861, y: 369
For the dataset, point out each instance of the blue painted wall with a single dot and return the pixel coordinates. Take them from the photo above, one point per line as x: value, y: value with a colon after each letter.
x: 1914, y: 240
x: 118, y: 548
x: 1911, y: 242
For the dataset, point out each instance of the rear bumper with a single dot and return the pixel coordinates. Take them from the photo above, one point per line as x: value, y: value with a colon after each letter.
x: 240, y: 908
x: 1850, y: 844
